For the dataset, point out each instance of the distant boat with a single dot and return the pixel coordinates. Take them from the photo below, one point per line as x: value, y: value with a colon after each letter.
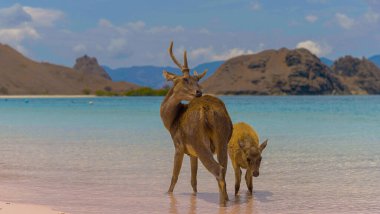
x: 90, y: 102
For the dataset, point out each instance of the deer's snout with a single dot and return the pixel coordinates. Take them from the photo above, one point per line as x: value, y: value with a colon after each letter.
x: 256, y: 174
x: 198, y: 93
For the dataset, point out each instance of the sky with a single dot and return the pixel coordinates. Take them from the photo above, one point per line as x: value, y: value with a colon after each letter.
x: 123, y: 33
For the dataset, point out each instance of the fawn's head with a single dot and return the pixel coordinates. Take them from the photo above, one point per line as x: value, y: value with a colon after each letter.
x: 185, y: 87
x: 252, y: 155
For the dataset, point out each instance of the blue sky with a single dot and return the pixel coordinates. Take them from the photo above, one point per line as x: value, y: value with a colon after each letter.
x: 126, y: 33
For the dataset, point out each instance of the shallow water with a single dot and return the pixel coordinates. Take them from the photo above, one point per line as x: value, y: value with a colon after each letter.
x: 114, y: 156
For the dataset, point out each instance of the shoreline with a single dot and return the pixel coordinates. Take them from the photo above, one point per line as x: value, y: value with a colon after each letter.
x: 16, y: 208
x: 44, y: 96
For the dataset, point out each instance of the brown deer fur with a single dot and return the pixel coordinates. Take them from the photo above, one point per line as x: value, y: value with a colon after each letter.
x: 199, y: 129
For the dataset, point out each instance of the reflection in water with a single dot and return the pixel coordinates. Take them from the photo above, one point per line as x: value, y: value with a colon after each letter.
x: 173, y: 204
x: 243, y: 203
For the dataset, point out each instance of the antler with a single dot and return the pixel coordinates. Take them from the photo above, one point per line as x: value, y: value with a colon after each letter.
x: 184, y: 68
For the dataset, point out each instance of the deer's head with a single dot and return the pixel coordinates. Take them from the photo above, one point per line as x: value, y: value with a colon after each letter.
x: 185, y: 87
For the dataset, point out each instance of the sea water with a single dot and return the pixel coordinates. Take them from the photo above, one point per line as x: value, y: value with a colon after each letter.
x: 113, y: 155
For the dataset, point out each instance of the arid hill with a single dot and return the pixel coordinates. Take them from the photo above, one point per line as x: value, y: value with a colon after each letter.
x: 361, y: 76
x: 90, y: 66
x: 20, y: 75
x: 275, y: 72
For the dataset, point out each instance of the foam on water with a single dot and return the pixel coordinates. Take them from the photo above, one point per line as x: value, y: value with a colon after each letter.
x: 115, y: 156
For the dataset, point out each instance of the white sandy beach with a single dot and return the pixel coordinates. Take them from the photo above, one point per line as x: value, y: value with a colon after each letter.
x: 12, y: 208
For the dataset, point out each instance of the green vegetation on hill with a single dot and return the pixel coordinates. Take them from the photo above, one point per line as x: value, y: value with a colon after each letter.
x: 135, y: 92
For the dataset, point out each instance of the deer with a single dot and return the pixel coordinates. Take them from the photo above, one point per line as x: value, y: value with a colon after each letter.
x: 245, y: 152
x: 199, y: 128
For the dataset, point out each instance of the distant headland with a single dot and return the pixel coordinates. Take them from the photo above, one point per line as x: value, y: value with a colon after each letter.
x: 270, y: 72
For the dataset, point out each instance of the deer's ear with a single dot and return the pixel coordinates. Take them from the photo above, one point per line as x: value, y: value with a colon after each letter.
x: 200, y: 76
x: 169, y: 76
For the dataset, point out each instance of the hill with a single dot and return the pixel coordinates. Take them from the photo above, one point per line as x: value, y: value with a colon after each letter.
x: 151, y: 76
x: 275, y: 72
x: 23, y: 76
x: 360, y: 76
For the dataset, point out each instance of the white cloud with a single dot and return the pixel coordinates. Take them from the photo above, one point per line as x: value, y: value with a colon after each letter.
x: 344, y: 21
x: 210, y: 54
x: 231, y: 53
x: 311, y: 18
x: 138, y: 25
x: 315, y: 48
x: 79, y: 48
x: 44, y: 17
x: 371, y: 16
x: 201, y: 52
x: 255, y: 5
x: 104, y: 23
x: 19, y: 23
x: 116, y: 44
x: 12, y: 35
x: 161, y: 29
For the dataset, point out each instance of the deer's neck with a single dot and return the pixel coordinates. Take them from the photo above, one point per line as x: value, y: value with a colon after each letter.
x: 170, y: 109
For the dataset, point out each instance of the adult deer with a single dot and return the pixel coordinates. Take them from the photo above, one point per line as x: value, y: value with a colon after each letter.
x: 199, y: 129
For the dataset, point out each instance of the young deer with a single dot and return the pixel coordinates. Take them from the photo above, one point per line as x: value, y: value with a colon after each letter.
x: 199, y: 129
x: 245, y: 152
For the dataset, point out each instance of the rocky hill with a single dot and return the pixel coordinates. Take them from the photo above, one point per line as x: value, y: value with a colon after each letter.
x: 90, y: 66
x: 361, y: 76
x: 275, y: 72
x: 20, y: 75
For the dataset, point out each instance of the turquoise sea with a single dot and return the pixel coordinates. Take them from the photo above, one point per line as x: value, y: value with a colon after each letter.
x: 113, y: 155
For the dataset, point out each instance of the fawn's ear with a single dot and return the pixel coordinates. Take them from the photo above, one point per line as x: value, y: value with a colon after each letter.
x: 241, y: 144
x: 263, y: 145
x: 169, y: 76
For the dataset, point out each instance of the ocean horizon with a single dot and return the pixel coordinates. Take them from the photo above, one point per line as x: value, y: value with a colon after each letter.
x: 113, y: 155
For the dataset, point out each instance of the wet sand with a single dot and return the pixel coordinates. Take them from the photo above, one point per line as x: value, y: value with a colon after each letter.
x: 12, y: 208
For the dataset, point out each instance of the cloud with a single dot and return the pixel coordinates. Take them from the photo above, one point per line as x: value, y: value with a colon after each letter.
x: 14, y: 16
x: 311, y: 18
x: 138, y: 25
x: 43, y: 17
x: 19, y: 23
x: 161, y: 29
x: 117, y: 48
x: 255, y: 5
x: 201, y: 52
x: 210, y: 54
x: 234, y: 52
x: 104, y: 23
x: 14, y: 36
x: 315, y: 48
x: 80, y: 48
x: 344, y: 21
x: 371, y: 16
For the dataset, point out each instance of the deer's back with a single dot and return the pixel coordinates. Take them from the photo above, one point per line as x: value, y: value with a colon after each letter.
x: 205, y: 115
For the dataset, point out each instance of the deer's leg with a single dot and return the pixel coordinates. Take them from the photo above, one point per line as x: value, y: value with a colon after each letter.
x: 178, y: 157
x: 194, y: 169
x: 222, y: 159
x: 248, y: 180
